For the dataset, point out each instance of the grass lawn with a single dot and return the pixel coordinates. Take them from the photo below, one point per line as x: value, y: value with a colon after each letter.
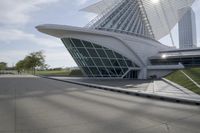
x: 53, y: 72
x: 182, y: 80
x: 194, y: 73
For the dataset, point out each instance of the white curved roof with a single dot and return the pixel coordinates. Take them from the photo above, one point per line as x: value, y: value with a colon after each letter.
x: 163, y: 15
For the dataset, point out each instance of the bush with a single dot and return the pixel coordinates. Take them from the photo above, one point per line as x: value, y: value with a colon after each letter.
x: 75, y: 73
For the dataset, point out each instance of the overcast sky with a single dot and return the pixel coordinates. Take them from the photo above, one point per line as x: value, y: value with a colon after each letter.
x: 18, y: 35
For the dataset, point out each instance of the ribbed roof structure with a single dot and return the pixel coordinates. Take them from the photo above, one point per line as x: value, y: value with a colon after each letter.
x: 162, y: 15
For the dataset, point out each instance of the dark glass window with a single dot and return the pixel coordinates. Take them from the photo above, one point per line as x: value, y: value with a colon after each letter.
x: 125, y: 70
x: 115, y: 63
x: 122, y: 63
x: 106, y: 62
x: 112, y: 72
x: 93, y: 53
x: 83, y: 52
x: 87, y: 71
x: 67, y: 43
x: 94, y: 70
x: 119, y: 71
x: 77, y: 43
x: 87, y: 44
x: 103, y: 71
x: 129, y: 63
x: 110, y: 54
x: 98, y: 62
x: 89, y: 62
x: 101, y: 53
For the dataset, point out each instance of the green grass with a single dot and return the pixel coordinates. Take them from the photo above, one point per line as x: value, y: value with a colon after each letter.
x: 182, y: 80
x: 53, y: 72
x: 194, y: 73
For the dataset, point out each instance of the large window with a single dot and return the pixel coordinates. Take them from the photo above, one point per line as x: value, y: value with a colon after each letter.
x: 97, y: 61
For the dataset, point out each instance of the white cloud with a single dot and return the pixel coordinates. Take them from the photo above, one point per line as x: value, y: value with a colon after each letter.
x: 9, y: 35
x: 17, y: 11
x: 82, y: 2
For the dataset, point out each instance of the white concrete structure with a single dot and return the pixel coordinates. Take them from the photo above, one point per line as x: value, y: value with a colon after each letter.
x: 187, y: 29
x: 121, y: 40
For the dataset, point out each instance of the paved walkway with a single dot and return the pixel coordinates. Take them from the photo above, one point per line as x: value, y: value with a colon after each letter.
x: 158, y: 87
x: 163, y: 88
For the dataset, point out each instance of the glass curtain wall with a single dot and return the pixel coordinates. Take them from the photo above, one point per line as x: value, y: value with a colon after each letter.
x: 97, y: 61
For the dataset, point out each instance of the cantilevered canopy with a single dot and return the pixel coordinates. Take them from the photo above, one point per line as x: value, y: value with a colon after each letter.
x: 162, y: 14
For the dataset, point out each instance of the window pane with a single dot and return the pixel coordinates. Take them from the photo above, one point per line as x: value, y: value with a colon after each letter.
x: 115, y: 63
x: 129, y: 63
x: 94, y: 70
x: 77, y: 43
x: 103, y: 71
x: 110, y: 54
x: 119, y: 71
x: 125, y: 70
x: 101, y: 53
x: 87, y: 44
x: 106, y: 62
x: 89, y: 62
x: 98, y: 62
x: 112, y: 72
x: 68, y: 43
x: 83, y: 52
x: 92, y: 53
x: 122, y: 63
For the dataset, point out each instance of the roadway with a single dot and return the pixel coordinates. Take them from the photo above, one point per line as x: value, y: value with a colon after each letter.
x: 36, y: 105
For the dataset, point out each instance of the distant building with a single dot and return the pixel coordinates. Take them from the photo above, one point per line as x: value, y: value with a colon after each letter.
x: 187, y: 29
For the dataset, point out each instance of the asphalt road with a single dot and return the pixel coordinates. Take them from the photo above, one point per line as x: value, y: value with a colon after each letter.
x: 36, y: 105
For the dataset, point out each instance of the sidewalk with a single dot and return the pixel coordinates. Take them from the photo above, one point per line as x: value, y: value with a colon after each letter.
x: 158, y: 89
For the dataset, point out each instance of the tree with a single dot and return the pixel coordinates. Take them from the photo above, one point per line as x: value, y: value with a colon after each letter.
x: 3, y: 65
x: 31, y: 62
x: 20, y: 66
x: 34, y: 60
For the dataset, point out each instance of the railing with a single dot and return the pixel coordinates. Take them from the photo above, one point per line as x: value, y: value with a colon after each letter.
x: 103, y: 14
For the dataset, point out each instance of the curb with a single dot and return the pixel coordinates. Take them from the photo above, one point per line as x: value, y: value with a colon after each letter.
x: 132, y: 93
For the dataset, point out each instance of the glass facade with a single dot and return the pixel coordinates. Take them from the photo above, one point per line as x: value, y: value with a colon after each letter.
x: 186, y: 61
x: 98, y: 61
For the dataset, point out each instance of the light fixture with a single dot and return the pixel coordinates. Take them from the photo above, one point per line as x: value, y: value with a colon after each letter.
x: 164, y: 56
x: 155, y: 1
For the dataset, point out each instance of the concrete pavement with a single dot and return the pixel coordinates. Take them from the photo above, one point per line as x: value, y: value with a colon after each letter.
x: 36, y: 105
x: 154, y: 88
